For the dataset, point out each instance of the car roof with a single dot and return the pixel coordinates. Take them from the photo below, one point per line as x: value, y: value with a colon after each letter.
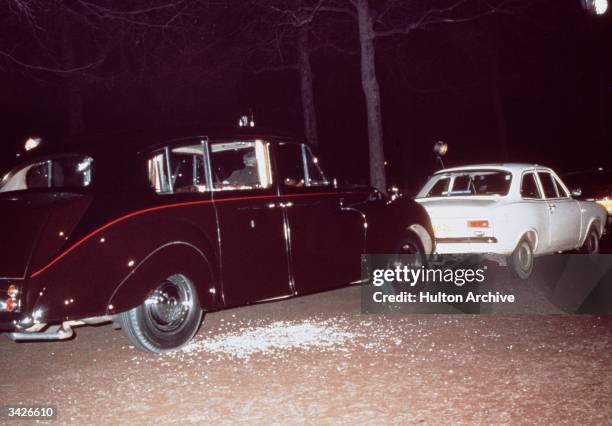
x: 132, y: 142
x: 510, y: 167
x: 222, y: 137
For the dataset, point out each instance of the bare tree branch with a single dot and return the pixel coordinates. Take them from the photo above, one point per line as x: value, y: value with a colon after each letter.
x: 434, y: 16
x: 50, y: 69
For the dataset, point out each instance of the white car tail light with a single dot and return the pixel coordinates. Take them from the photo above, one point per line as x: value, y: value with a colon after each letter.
x: 477, y: 223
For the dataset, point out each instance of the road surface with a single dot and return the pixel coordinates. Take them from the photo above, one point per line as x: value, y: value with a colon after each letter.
x: 318, y: 360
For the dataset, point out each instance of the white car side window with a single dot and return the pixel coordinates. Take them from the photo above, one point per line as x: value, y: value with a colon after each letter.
x: 560, y: 189
x: 529, y: 187
x: 548, y: 185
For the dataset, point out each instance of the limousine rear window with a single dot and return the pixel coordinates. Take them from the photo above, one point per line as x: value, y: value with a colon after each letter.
x: 178, y: 169
x: 65, y: 171
x: 240, y: 165
x: 220, y: 166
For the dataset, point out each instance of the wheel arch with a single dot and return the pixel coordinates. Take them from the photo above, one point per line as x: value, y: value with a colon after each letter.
x: 594, y: 222
x: 387, y: 222
x: 176, y: 257
x: 532, y: 237
x: 426, y: 239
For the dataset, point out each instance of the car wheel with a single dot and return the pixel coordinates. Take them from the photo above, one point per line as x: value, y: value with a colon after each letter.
x: 520, y: 261
x: 591, y: 242
x: 410, y: 245
x: 167, y: 319
x: 407, y: 252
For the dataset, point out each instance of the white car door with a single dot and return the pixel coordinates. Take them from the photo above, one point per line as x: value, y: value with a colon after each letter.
x: 534, y: 210
x: 564, y: 213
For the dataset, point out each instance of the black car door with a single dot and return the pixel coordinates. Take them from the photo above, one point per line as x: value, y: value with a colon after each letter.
x: 326, y: 240
x: 253, y: 250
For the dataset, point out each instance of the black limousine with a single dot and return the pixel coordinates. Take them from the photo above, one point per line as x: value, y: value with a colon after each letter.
x: 151, y: 239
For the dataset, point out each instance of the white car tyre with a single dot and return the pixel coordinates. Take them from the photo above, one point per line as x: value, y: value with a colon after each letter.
x: 591, y: 242
x: 520, y: 261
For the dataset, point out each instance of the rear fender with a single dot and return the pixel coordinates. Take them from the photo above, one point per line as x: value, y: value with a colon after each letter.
x: 596, y: 223
x: 97, y: 274
x: 172, y: 258
x: 532, y: 237
x: 388, y: 221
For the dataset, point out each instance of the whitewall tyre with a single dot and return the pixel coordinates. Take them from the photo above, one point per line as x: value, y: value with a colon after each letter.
x: 167, y: 320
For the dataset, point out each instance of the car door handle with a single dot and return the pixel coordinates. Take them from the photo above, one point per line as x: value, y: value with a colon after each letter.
x: 285, y: 205
x: 551, y: 206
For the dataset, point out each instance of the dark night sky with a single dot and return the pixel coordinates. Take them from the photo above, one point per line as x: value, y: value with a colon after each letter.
x: 550, y: 70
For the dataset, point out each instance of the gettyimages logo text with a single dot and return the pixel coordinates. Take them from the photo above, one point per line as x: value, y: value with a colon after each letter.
x: 412, y: 276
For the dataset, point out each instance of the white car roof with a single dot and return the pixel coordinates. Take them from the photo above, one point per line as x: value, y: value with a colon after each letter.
x: 510, y: 167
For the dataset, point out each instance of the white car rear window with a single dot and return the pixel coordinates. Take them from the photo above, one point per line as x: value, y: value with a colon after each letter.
x: 469, y: 183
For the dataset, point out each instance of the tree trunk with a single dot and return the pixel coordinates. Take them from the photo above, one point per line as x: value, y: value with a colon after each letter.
x: 305, y: 70
x: 371, y: 91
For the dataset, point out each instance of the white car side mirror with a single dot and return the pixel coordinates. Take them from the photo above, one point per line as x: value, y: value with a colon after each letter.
x: 577, y: 192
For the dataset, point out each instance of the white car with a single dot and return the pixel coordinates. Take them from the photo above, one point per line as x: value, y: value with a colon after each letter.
x: 512, y: 212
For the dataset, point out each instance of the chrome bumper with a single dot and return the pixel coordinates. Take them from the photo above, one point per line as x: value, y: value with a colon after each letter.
x: 61, y: 331
x: 464, y: 240
x: 54, y: 332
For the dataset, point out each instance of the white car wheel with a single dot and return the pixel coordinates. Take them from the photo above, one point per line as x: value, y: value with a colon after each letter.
x: 520, y: 261
x: 591, y: 242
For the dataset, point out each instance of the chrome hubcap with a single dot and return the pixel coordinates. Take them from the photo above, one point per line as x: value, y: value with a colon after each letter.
x: 169, y: 304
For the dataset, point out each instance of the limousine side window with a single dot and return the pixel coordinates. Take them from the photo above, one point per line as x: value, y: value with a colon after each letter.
x: 187, y: 168
x: 315, y: 176
x: 298, y: 167
x: 159, y: 177
x: 240, y: 165
x: 291, y: 165
x: 178, y: 169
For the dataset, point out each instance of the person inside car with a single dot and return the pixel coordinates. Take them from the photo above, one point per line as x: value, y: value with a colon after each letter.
x: 248, y: 175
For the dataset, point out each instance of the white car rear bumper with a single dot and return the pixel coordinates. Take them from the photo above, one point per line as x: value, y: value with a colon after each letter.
x: 473, y: 245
